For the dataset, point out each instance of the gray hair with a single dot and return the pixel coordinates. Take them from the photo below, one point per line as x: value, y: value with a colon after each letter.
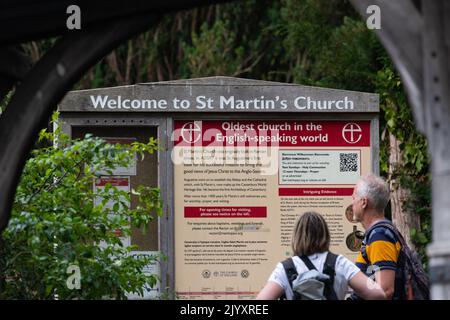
x: 375, y: 189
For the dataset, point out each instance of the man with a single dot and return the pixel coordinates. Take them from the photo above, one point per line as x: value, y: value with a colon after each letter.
x: 380, y: 248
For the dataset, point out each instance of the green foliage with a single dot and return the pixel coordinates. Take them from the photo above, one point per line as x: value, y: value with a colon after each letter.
x: 55, y: 223
x: 399, y: 121
x: 413, y: 174
x: 312, y: 37
x: 203, y: 59
x: 349, y: 60
x: 231, y: 44
x: 420, y: 203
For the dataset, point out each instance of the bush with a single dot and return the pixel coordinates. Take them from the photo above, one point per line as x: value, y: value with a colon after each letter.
x: 55, y: 224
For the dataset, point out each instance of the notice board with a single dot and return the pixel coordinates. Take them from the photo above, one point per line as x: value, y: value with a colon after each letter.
x: 239, y: 187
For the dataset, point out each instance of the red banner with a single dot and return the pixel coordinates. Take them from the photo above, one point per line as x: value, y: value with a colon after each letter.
x: 309, y: 192
x: 272, y: 133
x: 225, y: 212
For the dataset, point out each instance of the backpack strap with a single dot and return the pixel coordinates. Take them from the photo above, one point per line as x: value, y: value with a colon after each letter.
x: 392, y: 228
x: 291, y: 273
x: 364, y: 254
x: 307, y: 262
x: 329, y: 269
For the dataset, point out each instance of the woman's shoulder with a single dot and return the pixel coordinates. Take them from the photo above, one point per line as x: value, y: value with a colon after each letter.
x: 345, y: 266
x: 341, y: 259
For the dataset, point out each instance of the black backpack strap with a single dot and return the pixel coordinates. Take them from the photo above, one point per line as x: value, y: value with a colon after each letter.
x: 364, y: 255
x: 330, y: 264
x: 394, y: 230
x: 329, y: 269
x: 291, y: 273
x: 307, y: 262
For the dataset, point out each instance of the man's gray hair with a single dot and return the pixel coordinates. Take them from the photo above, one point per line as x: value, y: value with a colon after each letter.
x: 375, y: 189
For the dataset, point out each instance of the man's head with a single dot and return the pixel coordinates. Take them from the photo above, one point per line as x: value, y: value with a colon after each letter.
x: 370, y: 196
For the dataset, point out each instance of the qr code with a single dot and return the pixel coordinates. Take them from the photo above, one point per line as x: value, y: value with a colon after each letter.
x: 348, y: 162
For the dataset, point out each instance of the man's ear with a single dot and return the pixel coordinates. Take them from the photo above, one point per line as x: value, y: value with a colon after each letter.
x: 365, y: 203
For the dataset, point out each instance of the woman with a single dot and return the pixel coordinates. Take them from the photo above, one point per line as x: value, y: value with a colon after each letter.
x: 311, y: 238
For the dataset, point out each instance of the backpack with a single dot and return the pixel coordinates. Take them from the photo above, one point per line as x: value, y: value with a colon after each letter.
x: 411, y: 281
x: 312, y: 285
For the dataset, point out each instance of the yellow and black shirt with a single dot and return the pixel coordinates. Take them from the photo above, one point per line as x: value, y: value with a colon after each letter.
x: 380, y: 248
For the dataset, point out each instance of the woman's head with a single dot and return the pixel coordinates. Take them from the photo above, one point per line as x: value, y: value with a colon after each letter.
x: 311, y: 234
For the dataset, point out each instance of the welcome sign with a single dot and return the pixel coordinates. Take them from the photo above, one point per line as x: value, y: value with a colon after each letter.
x: 221, y: 95
x: 223, y: 103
